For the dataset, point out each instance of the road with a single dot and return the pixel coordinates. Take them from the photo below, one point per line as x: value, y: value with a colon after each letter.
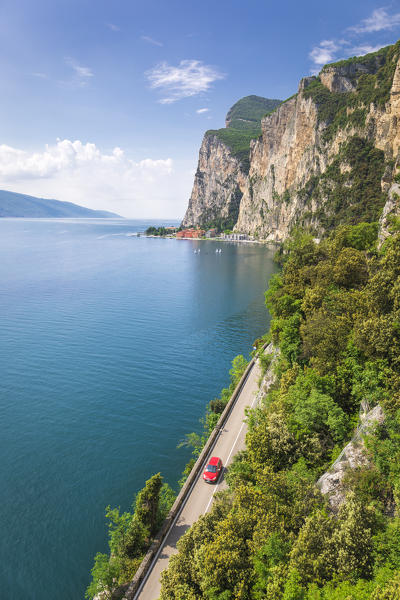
x: 230, y: 440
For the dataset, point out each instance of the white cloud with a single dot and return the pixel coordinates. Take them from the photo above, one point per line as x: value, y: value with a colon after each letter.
x: 333, y: 50
x: 329, y: 51
x: 200, y: 111
x: 81, y: 173
x: 113, y: 27
x: 150, y: 40
x: 362, y: 49
x: 39, y: 75
x: 81, y: 75
x: 189, y: 78
x: 324, y: 53
x: 379, y: 20
x: 81, y: 72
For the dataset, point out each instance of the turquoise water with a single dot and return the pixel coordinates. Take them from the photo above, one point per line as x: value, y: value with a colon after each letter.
x: 110, y: 345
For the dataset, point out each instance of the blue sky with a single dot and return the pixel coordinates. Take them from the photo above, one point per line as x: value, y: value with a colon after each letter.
x: 105, y: 103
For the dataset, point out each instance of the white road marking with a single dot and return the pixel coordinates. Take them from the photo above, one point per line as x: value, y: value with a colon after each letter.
x: 162, y: 546
x: 227, y: 460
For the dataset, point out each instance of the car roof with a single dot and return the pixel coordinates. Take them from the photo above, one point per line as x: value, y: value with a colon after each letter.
x: 214, y: 460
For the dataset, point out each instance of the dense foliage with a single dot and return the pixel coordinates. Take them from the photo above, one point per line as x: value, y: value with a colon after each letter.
x: 130, y: 535
x: 157, y: 230
x: 271, y: 535
x: 349, y: 191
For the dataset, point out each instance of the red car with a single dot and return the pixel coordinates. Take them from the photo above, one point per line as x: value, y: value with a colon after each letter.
x: 213, y: 470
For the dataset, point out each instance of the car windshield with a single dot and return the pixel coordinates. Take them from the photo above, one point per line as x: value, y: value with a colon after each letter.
x: 211, y: 469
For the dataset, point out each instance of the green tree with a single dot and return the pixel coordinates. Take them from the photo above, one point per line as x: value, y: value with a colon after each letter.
x: 390, y: 591
x: 351, y: 540
x: 130, y: 534
x: 272, y: 553
x: 104, y: 574
x: 147, y: 503
x: 311, y: 555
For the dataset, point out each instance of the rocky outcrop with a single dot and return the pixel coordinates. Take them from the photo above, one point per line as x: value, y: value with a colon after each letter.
x: 336, y: 81
x: 384, y: 123
x: 299, y: 172
x: 343, y: 76
x: 269, y: 377
x: 352, y: 456
x: 218, y: 186
x: 390, y: 210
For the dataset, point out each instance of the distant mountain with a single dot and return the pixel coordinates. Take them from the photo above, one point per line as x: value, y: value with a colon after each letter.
x: 21, y: 205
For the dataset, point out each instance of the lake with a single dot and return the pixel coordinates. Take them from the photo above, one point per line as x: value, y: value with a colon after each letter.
x: 111, y: 346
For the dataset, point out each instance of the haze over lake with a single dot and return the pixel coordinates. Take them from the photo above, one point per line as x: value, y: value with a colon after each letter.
x: 111, y: 346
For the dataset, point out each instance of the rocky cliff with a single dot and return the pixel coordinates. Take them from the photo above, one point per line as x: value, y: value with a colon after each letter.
x: 224, y: 163
x: 218, y: 186
x: 353, y: 456
x: 328, y: 155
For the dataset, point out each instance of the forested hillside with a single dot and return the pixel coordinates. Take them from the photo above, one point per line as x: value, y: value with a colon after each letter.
x: 272, y: 535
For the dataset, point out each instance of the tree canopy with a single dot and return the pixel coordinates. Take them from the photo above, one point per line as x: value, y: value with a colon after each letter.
x: 271, y: 535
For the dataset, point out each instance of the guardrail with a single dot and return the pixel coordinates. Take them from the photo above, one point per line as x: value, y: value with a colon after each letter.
x: 146, y: 563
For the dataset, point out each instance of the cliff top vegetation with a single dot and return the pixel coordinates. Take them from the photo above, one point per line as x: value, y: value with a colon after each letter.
x: 243, y: 123
x: 246, y: 113
x: 372, y: 76
x: 371, y: 61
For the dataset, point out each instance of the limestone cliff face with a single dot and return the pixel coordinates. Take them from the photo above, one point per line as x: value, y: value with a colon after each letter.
x: 343, y: 77
x: 281, y: 162
x: 353, y: 456
x: 328, y: 155
x: 293, y: 150
x: 218, y: 186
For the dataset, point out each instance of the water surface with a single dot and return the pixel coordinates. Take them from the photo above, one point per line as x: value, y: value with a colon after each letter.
x: 111, y: 345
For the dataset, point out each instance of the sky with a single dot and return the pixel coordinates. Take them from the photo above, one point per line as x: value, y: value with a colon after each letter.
x: 105, y: 103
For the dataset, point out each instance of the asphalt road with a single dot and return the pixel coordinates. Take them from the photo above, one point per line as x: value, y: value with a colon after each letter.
x: 230, y: 440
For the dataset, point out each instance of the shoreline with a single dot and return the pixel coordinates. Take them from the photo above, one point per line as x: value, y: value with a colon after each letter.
x: 215, y: 239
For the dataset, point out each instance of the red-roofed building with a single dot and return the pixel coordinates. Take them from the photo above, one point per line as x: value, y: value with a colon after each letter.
x: 191, y: 233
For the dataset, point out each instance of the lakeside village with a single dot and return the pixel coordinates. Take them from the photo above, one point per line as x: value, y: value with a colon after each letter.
x: 193, y: 233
